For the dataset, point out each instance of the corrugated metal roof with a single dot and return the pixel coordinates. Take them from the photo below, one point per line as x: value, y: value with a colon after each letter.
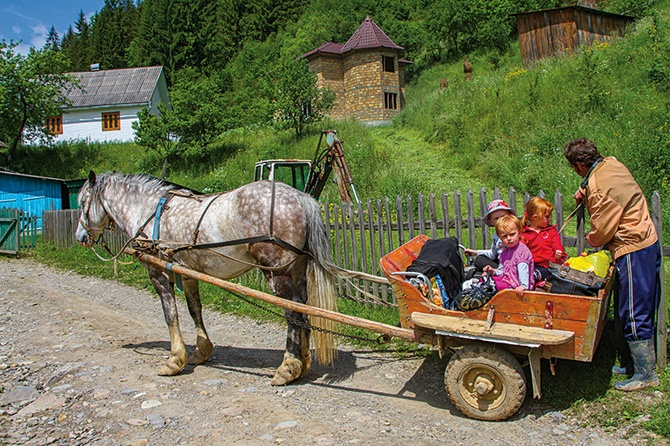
x: 369, y: 35
x: 124, y: 86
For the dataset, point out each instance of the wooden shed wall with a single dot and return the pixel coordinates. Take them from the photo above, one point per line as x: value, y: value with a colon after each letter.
x: 595, y: 27
x: 546, y: 33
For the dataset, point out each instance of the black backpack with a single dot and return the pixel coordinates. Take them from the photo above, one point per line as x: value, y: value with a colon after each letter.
x: 441, y: 256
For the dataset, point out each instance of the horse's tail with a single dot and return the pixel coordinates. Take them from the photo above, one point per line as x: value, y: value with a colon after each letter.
x: 321, y: 291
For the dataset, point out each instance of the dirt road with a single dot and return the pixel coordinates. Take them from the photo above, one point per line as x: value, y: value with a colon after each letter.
x: 78, y: 363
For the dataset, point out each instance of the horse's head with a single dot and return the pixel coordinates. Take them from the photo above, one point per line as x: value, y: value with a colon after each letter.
x: 93, y: 219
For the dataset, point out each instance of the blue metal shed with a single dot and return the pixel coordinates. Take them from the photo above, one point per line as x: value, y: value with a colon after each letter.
x: 32, y: 194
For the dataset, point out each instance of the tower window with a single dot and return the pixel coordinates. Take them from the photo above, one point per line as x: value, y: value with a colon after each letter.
x: 390, y: 101
x: 388, y: 64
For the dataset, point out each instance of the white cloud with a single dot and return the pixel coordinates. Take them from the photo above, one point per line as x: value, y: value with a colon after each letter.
x: 16, y: 29
x: 39, y: 37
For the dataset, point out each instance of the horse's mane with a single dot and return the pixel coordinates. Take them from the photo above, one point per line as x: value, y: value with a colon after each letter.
x: 139, y: 179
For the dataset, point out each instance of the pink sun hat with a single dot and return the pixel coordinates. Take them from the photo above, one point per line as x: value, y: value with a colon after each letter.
x: 497, y: 205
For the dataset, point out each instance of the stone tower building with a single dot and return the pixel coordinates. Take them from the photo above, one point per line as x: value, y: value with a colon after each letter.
x: 366, y: 74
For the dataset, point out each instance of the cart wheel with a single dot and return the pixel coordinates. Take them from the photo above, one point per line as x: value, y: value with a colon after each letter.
x: 485, y: 382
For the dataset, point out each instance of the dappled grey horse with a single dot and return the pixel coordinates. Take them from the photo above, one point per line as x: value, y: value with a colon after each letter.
x: 263, y: 224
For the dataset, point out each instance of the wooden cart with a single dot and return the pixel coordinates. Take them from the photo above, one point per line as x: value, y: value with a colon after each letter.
x: 483, y: 378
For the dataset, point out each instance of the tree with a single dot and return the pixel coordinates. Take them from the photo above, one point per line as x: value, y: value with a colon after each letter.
x: 32, y: 88
x: 157, y: 133
x: 114, y: 27
x: 297, y: 100
x: 199, y: 115
x: 53, y: 41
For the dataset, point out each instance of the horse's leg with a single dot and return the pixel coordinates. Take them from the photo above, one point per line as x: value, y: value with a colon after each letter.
x: 165, y: 290
x: 297, y: 359
x: 203, y: 347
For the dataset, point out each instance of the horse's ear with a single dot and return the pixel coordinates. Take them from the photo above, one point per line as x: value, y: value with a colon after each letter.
x: 91, y: 178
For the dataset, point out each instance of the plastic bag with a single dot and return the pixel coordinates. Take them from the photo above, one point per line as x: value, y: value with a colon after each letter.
x: 598, y: 263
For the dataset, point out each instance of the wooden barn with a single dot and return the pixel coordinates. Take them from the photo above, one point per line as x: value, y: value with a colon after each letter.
x: 548, y: 32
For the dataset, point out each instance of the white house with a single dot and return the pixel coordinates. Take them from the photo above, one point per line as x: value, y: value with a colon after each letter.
x: 107, y: 104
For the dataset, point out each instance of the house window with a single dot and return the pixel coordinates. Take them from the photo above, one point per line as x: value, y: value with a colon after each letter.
x: 54, y: 125
x: 390, y: 101
x: 388, y: 64
x: 111, y: 121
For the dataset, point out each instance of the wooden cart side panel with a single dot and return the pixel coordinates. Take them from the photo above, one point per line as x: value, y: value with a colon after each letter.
x: 583, y: 315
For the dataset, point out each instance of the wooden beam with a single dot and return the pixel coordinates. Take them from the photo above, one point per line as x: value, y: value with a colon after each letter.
x: 377, y: 327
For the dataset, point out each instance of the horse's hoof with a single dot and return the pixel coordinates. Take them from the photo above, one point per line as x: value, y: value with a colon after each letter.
x: 288, y: 371
x: 201, y: 353
x: 170, y: 368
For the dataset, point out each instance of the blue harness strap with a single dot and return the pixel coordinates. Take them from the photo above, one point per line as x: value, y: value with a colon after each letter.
x: 157, y: 218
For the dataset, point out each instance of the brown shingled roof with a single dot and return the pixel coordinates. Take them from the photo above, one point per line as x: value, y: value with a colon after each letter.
x: 369, y: 35
x: 326, y: 48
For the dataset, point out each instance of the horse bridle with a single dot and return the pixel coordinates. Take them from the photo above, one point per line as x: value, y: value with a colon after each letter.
x: 86, y: 224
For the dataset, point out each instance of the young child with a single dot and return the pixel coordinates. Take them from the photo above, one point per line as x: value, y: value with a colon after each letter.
x: 489, y: 257
x: 516, y: 261
x: 541, y: 236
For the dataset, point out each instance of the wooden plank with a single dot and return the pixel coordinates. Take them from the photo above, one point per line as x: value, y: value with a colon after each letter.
x: 389, y: 224
x: 410, y: 217
x: 457, y: 215
x: 445, y: 215
x: 433, y: 216
x: 281, y: 302
x: 373, y: 251
x: 422, y: 213
x: 483, y: 207
x: 472, y: 237
x: 498, y: 330
x: 661, y: 322
x: 398, y: 211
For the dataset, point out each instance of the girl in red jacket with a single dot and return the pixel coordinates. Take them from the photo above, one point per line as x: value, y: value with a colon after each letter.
x: 541, y: 236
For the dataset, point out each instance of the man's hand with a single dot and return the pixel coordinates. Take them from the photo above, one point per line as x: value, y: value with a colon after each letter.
x: 519, y: 290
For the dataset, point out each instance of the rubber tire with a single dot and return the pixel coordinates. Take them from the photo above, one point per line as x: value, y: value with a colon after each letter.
x: 492, y: 365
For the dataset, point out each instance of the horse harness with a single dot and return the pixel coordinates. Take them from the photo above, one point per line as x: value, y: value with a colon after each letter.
x: 154, y: 243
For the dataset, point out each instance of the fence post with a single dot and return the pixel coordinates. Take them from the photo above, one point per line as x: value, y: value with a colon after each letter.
x: 483, y: 207
x: 457, y: 215
x: 445, y: 215
x: 661, y: 323
x: 472, y: 239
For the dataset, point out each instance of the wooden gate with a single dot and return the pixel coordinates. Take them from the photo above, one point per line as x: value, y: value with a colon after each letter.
x: 9, y: 231
x: 17, y: 230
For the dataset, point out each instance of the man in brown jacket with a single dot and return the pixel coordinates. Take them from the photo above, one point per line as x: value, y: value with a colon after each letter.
x: 621, y: 222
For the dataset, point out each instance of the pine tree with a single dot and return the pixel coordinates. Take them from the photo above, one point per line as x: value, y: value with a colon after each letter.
x: 53, y: 41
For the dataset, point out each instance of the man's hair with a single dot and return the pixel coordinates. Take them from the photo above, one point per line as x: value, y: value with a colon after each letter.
x: 581, y: 151
x: 508, y: 222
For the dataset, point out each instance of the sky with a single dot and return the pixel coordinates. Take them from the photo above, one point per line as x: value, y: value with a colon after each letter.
x: 31, y: 20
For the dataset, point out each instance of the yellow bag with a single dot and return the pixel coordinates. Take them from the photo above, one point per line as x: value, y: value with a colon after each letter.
x: 598, y: 262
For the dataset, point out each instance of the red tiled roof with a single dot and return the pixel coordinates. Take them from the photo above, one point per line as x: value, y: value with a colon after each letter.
x: 369, y: 35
